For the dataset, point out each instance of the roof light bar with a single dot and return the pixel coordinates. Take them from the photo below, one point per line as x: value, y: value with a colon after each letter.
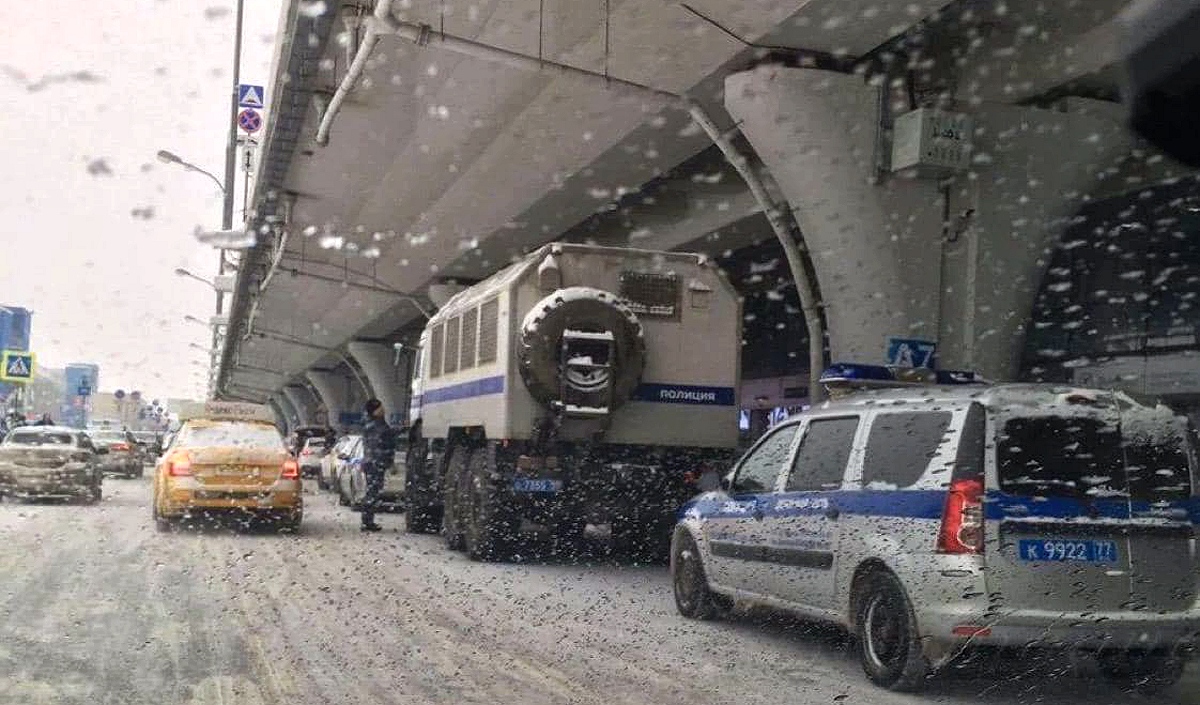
x: 844, y: 376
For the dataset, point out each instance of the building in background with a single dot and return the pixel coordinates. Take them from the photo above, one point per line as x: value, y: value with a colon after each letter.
x: 81, y: 381
x: 44, y: 394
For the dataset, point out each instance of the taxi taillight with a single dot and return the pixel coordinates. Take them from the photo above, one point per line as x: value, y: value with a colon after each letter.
x: 291, y: 471
x: 179, y: 466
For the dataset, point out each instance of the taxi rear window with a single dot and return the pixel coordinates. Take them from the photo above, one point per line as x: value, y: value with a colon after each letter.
x: 230, y: 434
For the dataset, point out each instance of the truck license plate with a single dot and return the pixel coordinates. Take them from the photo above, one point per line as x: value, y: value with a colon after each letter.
x: 526, y: 484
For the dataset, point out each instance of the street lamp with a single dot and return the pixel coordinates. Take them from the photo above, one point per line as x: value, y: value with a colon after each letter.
x: 167, y: 157
x: 185, y: 273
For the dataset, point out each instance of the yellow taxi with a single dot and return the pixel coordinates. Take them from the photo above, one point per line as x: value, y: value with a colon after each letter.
x: 228, y: 458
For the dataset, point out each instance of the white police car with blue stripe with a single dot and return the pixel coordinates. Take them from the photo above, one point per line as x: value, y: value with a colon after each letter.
x: 931, y: 520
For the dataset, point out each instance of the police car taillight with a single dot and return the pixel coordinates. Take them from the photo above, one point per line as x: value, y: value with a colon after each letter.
x: 962, y: 518
x: 291, y: 471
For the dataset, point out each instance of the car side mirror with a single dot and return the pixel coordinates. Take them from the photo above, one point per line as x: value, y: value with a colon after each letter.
x: 343, y: 456
x: 726, y: 482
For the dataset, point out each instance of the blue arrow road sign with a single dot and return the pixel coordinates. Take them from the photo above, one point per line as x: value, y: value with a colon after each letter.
x: 251, y: 96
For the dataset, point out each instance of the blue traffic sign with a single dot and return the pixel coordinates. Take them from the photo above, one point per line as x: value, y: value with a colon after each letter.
x: 17, y: 366
x: 910, y: 352
x: 250, y: 96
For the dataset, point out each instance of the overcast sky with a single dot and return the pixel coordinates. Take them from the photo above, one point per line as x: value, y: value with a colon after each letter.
x: 92, y: 226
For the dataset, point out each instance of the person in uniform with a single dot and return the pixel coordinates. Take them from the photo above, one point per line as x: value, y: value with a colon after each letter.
x: 379, y: 452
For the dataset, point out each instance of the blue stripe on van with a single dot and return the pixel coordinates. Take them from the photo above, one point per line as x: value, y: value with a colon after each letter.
x: 651, y: 392
x: 928, y: 504
x: 464, y: 390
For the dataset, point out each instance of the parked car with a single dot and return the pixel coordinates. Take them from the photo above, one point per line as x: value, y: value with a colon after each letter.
x: 332, y: 461
x: 51, y: 461
x: 352, y: 485
x: 303, y: 433
x: 936, y: 520
x: 311, y: 454
x: 124, y: 457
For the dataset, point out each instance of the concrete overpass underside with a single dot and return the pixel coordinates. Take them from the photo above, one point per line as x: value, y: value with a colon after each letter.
x: 441, y: 165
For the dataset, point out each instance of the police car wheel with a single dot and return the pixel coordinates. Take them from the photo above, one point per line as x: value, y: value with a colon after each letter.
x: 1146, y: 672
x: 693, y: 598
x: 888, y: 641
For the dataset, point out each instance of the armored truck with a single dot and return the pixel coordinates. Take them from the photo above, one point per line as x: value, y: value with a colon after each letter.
x: 581, y: 385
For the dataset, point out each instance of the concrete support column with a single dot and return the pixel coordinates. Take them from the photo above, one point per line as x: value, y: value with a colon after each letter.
x: 388, y: 383
x: 334, y: 390
x: 885, y: 263
x: 281, y: 419
x: 304, y: 402
x: 290, y: 415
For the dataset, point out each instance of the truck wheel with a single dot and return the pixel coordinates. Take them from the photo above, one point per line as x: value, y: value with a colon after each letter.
x: 1146, y: 672
x: 420, y: 517
x: 456, y: 479
x: 490, y: 529
x: 647, y: 541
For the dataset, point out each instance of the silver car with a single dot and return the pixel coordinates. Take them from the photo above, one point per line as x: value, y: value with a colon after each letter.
x: 50, y: 462
x: 352, y: 484
x: 123, y: 456
x: 935, y: 520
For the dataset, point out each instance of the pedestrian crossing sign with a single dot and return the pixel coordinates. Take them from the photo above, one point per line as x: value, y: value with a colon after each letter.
x: 16, y: 366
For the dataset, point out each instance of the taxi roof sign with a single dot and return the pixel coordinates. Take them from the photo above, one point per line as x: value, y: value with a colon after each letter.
x: 228, y: 411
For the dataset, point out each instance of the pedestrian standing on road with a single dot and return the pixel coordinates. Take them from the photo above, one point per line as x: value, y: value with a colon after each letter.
x: 379, y: 452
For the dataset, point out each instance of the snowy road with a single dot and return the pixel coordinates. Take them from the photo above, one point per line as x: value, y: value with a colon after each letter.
x: 96, y: 607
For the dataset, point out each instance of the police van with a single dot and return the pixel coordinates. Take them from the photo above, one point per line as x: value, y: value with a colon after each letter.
x: 565, y: 392
x: 931, y: 519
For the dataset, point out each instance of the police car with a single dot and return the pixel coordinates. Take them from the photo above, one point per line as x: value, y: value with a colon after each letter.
x: 930, y: 519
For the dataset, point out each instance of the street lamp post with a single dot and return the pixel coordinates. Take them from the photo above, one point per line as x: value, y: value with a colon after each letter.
x: 180, y: 271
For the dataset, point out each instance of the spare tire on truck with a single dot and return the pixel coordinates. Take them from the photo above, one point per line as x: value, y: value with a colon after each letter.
x: 594, y: 318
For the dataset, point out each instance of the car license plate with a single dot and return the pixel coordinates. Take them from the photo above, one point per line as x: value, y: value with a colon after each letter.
x: 526, y: 484
x: 1056, y: 550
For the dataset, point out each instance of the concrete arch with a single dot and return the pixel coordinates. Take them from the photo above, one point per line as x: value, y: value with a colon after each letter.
x: 290, y: 415
x: 304, y: 401
x: 886, y: 263
x: 389, y: 380
x: 335, y: 391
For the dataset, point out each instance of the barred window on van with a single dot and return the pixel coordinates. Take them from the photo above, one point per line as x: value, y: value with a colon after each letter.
x: 451, y: 363
x: 489, y: 325
x: 900, y: 447
x: 435, y: 351
x: 470, y: 321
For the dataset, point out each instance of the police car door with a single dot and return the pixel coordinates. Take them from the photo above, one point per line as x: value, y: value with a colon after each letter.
x: 734, y: 531
x: 803, y: 522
